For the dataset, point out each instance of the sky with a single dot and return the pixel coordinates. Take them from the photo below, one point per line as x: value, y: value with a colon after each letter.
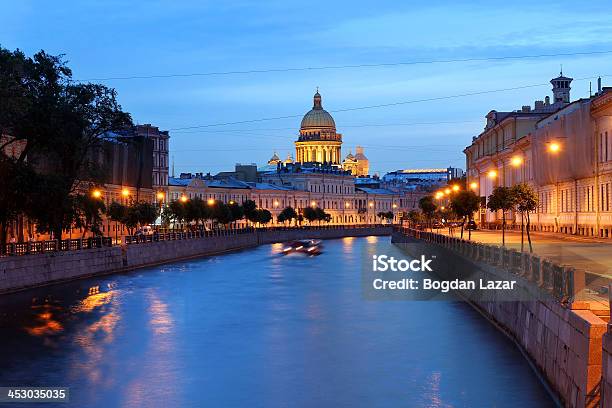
x: 110, y: 39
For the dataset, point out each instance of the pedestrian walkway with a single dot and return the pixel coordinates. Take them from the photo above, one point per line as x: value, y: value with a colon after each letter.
x: 589, y: 253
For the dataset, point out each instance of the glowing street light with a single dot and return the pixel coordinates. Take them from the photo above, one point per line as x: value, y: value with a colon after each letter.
x: 554, y: 147
x: 347, y: 205
x: 160, y: 195
x: 371, y: 204
x: 96, y: 194
x: 210, y: 201
x: 183, y: 199
x: 447, y: 191
x: 275, y: 204
x: 394, y: 205
x: 125, y: 192
x: 456, y: 187
x: 492, y: 174
x: 516, y: 161
x: 473, y: 185
x: 439, y: 195
x: 313, y: 203
x: 231, y: 202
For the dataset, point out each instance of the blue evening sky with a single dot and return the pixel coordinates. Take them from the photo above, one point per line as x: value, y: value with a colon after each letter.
x: 124, y: 38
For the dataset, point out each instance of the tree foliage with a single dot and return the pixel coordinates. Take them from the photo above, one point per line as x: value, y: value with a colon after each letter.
x: 526, y: 200
x: 59, y: 123
x: 464, y: 204
x: 288, y: 214
x: 504, y: 199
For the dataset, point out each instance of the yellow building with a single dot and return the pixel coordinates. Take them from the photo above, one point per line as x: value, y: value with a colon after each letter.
x: 318, y: 140
x: 358, y: 165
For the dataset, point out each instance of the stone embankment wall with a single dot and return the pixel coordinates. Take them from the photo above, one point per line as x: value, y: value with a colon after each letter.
x: 21, y: 272
x: 606, y: 370
x: 562, y: 339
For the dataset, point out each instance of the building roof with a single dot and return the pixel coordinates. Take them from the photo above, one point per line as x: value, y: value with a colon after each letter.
x: 175, y: 181
x: 369, y: 190
x: 270, y: 186
x: 229, y: 182
x: 317, y: 117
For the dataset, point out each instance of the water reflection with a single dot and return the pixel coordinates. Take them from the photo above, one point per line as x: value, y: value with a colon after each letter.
x: 257, y: 329
x: 45, y: 324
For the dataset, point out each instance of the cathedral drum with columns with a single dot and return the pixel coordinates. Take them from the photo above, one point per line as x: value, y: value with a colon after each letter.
x: 318, y: 140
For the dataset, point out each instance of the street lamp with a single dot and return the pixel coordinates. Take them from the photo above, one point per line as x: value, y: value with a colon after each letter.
x: 492, y: 174
x: 210, y: 201
x: 347, y: 205
x: 125, y: 192
x: 516, y: 161
x: 456, y: 187
x: 554, y: 147
x: 439, y: 195
x: 275, y: 204
x: 96, y: 194
x: 313, y: 203
x: 160, y: 196
x: 447, y: 191
x: 183, y: 199
x: 473, y: 185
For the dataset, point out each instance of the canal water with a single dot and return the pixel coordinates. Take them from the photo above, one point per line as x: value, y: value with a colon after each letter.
x: 258, y: 329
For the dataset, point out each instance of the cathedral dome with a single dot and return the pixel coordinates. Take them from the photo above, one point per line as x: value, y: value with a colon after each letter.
x: 317, y: 117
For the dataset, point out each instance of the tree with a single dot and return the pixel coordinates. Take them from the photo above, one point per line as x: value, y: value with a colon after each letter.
x: 310, y: 214
x: 61, y: 123
x: 414, y: 217
x: 117, y: 213
x: 263, y: 216
x: 16, y: 181
x: 220, y: 212
x: 526, y: 202
x: 287, y: 214
x: 428, y: 207
x: 502, y: 199
x: 465, y: 203
x: 385, y: 215
x: 236, y: 211
x: 88, y: 213
x: 249, y: 207
x: 140, y: 214
x: 147, y: 213
x: 175, y: 212
x: 321, y: 215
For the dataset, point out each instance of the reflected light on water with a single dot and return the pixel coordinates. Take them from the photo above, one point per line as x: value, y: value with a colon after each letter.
x: 432, y: 394
x: 161, y: 320
x: 47, y: 325
x: 94, y: 300
x: 372, y: 239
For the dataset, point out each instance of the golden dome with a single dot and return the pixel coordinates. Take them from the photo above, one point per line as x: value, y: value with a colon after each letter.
x: 317, y: 117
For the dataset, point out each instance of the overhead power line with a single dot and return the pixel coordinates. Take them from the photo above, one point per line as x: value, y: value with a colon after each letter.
x: 343, y: 126
x: 337, y: 67
x: 383, y: 105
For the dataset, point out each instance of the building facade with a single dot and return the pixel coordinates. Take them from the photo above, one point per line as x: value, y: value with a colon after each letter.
x: 421, y: 179
x: 562, y: 149
x: 160, y: 155
x: 318, y: 140
x: 358, y: 165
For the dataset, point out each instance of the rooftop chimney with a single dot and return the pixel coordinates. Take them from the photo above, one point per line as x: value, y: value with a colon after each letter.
x: 598, y: 85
